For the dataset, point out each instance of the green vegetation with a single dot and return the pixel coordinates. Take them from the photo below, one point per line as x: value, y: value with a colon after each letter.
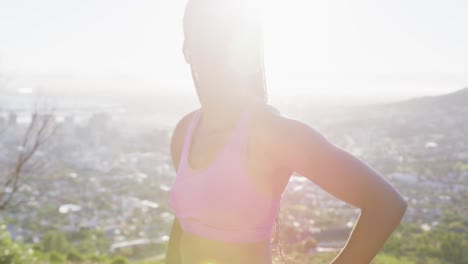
x: 444, y: 243
x: 56, y: 247
x: 409, y: 244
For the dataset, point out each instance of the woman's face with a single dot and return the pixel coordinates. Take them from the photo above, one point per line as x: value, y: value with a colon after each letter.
x: 222, y: 50
x: 207, y: 47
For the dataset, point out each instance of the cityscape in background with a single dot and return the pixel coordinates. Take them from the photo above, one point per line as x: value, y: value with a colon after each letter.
x: 91, y: 91
x: 107, y: 169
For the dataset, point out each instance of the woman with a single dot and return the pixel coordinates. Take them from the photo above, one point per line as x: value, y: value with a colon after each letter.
x: 235, y: 154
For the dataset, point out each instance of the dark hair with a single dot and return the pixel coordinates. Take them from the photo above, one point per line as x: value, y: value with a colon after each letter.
x: 276, y: 238
x: 196, y: 10
x: 229, y: 15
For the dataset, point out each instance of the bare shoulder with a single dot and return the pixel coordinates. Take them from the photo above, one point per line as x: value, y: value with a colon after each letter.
x: 265, y: 113
x: 268, y: 123
x: 276, y: 126
x: 283, y: 137
x: 178, y: 136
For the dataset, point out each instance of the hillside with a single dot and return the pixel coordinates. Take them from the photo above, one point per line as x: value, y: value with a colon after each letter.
x: 458, y: 98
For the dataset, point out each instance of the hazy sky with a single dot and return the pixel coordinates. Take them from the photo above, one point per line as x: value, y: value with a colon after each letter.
x: 330, y: 48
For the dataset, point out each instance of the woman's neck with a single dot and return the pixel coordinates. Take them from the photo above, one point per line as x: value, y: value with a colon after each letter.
x: 219, y: 116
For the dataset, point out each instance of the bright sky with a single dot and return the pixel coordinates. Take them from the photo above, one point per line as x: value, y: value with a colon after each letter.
x: 322, y: 48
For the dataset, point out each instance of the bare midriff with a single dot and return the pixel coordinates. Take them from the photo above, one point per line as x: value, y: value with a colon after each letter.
x: 198, y: 250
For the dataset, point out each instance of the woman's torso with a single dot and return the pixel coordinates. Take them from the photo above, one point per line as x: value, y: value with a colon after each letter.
x: 267, y: 178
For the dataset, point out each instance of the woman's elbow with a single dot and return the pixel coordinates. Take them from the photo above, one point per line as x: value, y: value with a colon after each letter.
x: 394, y: 206
x: 402, y: 205
x: 395, y: 202
x: 397, y: 207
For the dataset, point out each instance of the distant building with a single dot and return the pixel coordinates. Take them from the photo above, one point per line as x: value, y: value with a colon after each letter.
x: 137, y: 247
x: 100, y: 120
x: 12, y: 118
x: 2, y: 121
x: 69, y: 120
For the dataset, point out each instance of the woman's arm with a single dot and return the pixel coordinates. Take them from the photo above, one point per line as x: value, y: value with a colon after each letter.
x: 302, y: 149
x: 177, y: 140
x: 382, y: 209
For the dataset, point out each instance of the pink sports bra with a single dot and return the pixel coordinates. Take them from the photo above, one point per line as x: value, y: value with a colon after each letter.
x: 221, y: 202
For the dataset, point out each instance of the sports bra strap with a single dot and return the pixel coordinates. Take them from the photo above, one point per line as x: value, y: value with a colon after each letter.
x: 239, y: 135
x: 188, y: 135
